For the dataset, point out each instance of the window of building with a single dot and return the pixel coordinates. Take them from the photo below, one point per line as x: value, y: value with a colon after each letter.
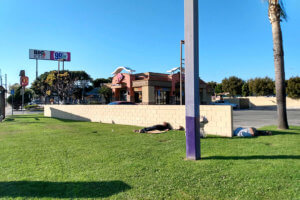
x: 138, y: 97
x: 162, y: 97
x: 123, y: 95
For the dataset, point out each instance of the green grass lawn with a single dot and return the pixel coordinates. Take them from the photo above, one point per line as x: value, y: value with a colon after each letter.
x: 51, y: 158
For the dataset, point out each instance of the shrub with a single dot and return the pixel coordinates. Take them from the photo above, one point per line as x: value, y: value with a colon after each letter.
x: 293, y: 87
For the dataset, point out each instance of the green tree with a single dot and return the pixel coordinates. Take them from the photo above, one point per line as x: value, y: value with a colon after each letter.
x: 293, y: 87
x: 212, y: 85
x: 218, y: 88
x: 66, y: 84
x: 106, y: 92
x: 60, y: 83
x: 245, y: 89
x: 276, y: 14
x: 18, y: 97
x: 97, y: 83
x: 233, y: 85
x: 39, y: 86
x: 14, y: 86
x: 261, y: 86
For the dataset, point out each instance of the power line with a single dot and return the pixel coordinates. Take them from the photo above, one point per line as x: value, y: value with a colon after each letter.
x: 0, y: 78
x: 6, y: 81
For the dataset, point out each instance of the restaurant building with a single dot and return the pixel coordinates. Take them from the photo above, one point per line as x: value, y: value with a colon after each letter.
x: 152, y: 88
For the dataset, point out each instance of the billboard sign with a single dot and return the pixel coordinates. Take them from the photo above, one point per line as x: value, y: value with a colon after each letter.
x: 58, y: 55
x: 39, y: 54
x: 49, y: 55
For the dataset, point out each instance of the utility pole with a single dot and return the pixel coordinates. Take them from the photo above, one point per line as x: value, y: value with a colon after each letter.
x: 6, y: 89
x: 12, y: 104
x: 58, y: 92
x: 192, y: 96
x: 37, y: 68
x: 0, y: 77
x: 181, y: 59
x: 6, y: 81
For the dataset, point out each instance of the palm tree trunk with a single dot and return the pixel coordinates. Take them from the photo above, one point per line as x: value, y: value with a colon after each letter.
x: 279, y: 70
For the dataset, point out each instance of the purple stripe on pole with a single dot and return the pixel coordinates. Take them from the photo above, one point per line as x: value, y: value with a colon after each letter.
x: 192, y: 138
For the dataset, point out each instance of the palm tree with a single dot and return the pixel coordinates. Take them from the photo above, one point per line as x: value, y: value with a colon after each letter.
x: 276, y: 14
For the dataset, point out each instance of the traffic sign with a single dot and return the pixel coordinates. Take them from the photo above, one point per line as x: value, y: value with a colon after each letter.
x: 24, y: 81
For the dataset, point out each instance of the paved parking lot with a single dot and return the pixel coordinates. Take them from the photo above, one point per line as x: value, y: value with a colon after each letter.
x: 259, y: 118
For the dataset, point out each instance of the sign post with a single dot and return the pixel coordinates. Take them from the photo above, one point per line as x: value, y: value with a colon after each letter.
x: 24, y: 80
x: 192, y: 97
x: 23, y: 91
x: 12, y: 93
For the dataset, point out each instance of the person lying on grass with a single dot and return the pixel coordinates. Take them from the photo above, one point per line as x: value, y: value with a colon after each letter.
x: 249, y: 132
x: 159, y: 128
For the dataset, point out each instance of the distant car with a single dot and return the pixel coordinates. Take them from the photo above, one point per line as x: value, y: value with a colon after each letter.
x: 221, y: 102
x: 121, y: 103
x: 35, y: 102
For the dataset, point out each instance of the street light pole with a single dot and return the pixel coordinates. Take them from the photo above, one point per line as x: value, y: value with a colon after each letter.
x: 192, y: 97
x: 58, y: 92
x: 181, y: 44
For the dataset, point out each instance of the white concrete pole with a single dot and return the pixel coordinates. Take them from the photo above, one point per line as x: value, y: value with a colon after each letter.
x: 192, y: 97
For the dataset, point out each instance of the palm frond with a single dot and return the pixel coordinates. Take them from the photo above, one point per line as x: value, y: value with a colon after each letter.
x: 283, y: 14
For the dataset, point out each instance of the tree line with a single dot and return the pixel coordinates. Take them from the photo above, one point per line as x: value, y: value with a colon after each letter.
x: 67, y: 86
x: 235, y: 86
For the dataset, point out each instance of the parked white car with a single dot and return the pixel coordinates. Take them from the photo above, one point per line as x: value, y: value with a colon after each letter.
x: 221, y: 102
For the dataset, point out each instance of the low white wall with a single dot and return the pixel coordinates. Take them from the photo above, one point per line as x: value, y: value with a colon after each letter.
x: 219, y: 117
x: 271, y: 101
x: 262, y: 102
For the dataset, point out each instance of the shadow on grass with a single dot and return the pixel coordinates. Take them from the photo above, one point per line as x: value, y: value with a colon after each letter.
x: 9, y: 120
x: 291, y: 131
x: 39, y: 117
x: 251, y: 157
x: 40, y: 189
x: 26, y: 117
x: 15, y: 119
x: 228, y: 138
x: 288, y: 132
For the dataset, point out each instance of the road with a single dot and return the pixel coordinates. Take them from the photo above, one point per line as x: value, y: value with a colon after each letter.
x: 259, y: 118
x: 9, y: 112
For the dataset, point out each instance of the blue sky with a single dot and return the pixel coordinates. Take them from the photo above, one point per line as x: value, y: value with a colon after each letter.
x: 235, y: 37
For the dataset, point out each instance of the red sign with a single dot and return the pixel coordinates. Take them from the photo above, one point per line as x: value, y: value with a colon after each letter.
x: 24, y: 81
